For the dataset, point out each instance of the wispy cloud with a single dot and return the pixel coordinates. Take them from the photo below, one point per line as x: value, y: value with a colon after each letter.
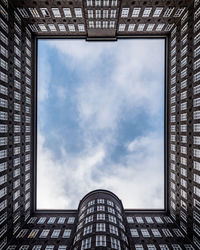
x: 69, y: 178
x: 116, y: 85
x: 44, y: 76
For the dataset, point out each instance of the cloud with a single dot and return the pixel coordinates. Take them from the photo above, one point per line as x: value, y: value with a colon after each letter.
x: 115, y: 84
x: 53, y: 174
x: 44, y: 76
x: 77, y: 51
x: 70, y: 178
x: 61, y: 93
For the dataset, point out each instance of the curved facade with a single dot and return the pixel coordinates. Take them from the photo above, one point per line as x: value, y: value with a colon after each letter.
x: 101, y: 222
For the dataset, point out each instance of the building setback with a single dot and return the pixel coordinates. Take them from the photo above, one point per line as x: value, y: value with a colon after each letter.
x: 100, y: 222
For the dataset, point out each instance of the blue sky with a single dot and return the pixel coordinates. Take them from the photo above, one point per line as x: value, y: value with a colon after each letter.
x: 100, y: 121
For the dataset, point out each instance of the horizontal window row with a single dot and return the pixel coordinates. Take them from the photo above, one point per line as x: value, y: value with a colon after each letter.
x: 45, y: 232
x: 147, y: 12
x: 101, y: 201
x: 115, y: 244
x: 102, y: 13
x: 156, y: 233
x: 101, y: 240
x: 149, y: 220
x: 57, y: 13
x: 103, y: 3
x: 111, y: 218
x: 62, y: 27
x: 147, y: 27
x: 51, y: 220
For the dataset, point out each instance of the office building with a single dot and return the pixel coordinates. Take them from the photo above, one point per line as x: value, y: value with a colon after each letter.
x: 100, y: 222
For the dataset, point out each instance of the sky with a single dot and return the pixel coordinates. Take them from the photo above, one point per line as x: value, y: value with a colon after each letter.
x: 100, y: 121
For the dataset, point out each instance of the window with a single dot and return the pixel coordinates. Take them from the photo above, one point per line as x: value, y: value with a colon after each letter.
x: 71, y: 27
x: 71, y: 220
x: 4, y: 51
x: 122, y: 27
x: 90, y: 203
x: 113, y: 230
x: 3, y: 179
x: 4, y: 39
x: 100, y: 201
x: 145, y: 233
x: 196, y: 153
x: 100, y: 216
x: 196, y: 77
x: 197, y: 51
x: 100, y: 208
x: 61, y: 220
x: 176, y: 247
x: 113, y: 13
x: 100, y: 227
x: 3, y: 154
x: 112, y: 218
x: 87, y: 230
x: 78, y: 12
x: 51, y: 220
x: 139, y: 247
x: 3, y: 77
x: 3, y: 217
x: 125, y: 12
x: 134, y: 232
x: 56, y: 233
x: 156, y: 233
x: 167, y: 232
x: 89, y: 219
x: 3, y: 64
x: 49, y: 247
x: 62, y: 247
x: 196, y: 216
x: 183, y: 183
x: 177, y: 232
x: 139, y: 220
x: 197, y: 191
x: 24, y: 247
x: 151, y: 247
x: 67, y: 12
x: 164, y: 247
x: 3, y: 205
x: 110, y: 203
x: 196, y: 165
x: 105, y: 13
x: 111, y: 210
x: 44, y: 233
x: 56, y: 12
x: 33, y: 233
x: 196, y: 115
x: 129, y: 219
x: 147, y: 12
x: 91, y: 210
x: 115, y: 243
x: 67, y: 233
x: 41, y: 220
x: 188, y: 247
x: 86, y: 243
x: 37, y: 247
x: 100, y: 240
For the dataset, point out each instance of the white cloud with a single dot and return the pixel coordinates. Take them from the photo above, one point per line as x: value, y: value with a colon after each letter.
x: 61, y: 93
x: 53, y: 174
x: 77, y: 51
x: 67, y: 180
x: 44, y: 74
x: 101, y: 107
